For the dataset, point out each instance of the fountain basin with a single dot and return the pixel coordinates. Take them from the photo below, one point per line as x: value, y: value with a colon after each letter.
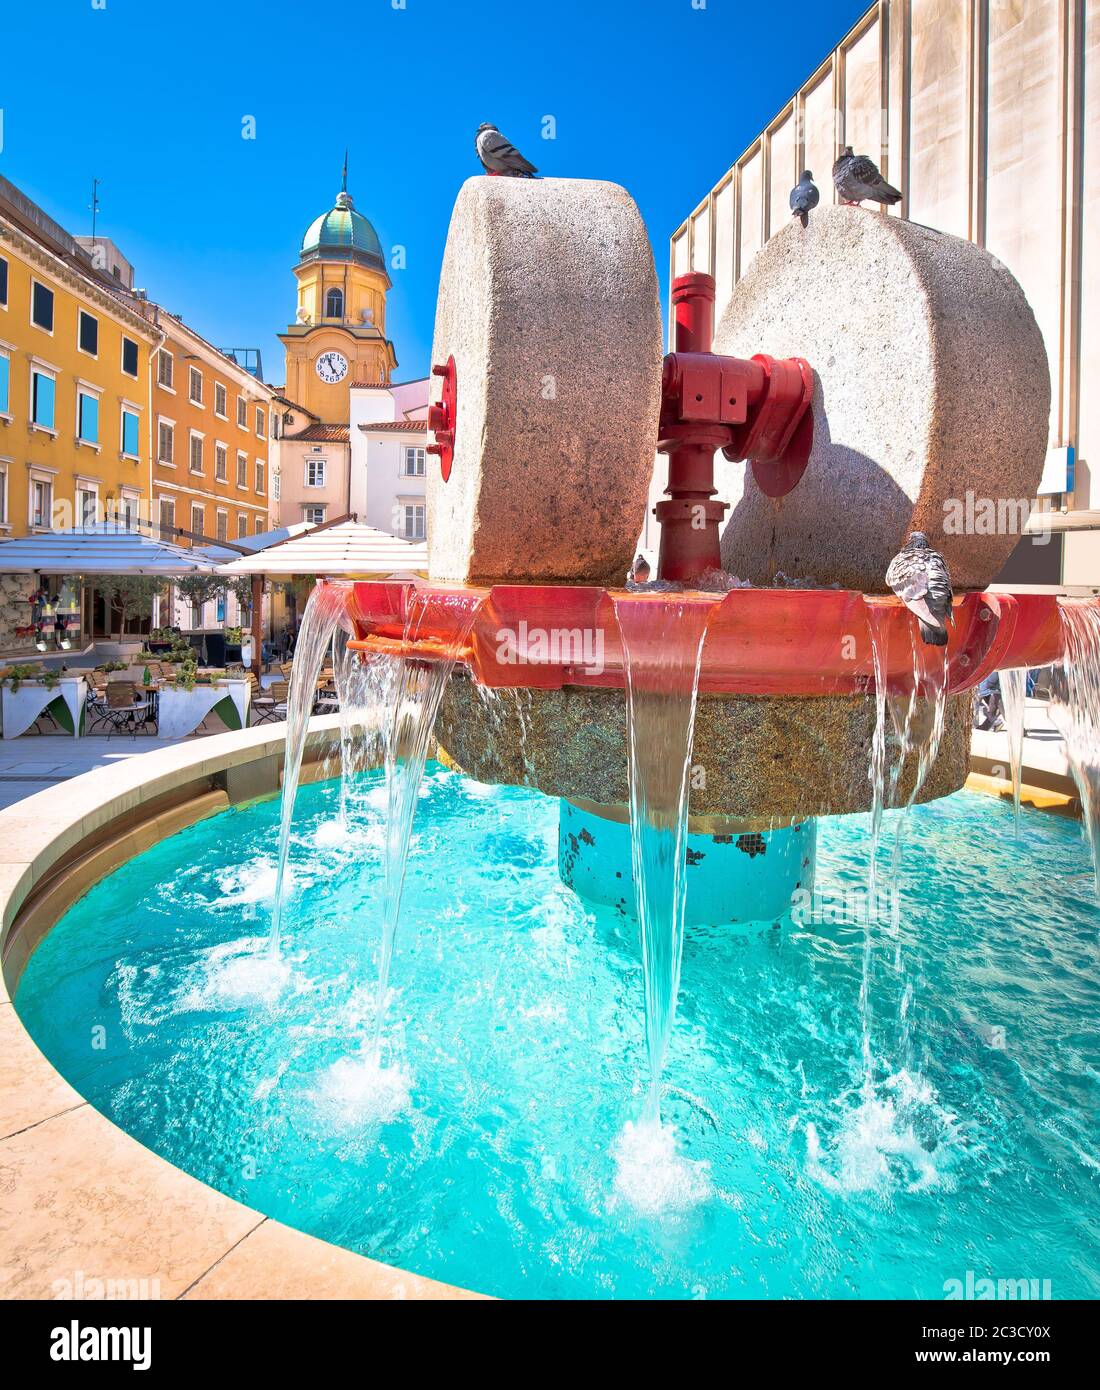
x: 521, y: 1040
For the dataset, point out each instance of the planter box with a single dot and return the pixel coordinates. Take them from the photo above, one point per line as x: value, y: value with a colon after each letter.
x: 20, y: 708
x: 180, y: 712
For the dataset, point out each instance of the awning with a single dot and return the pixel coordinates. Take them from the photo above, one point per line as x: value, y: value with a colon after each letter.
x: 105, y: 548
x: 346, y: 549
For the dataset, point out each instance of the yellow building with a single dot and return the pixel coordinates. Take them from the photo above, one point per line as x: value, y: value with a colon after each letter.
x: 212, y: 422
x: 74, y: 380
x: 339, y: 336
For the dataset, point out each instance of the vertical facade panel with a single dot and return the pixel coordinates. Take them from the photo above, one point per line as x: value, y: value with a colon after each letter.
x: 782, y: 173
x: 819, y: 128
x: 752, y: 193
x: 723, y: 246
x: 864, y: 119
x: 939, y: 148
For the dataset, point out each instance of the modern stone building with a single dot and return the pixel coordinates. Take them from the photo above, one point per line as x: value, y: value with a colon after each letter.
x: 986, y: 115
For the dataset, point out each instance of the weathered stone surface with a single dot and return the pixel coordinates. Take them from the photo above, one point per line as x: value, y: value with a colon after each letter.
x: 548, y: 302
x: 765, y: 759
x: 932, y: 379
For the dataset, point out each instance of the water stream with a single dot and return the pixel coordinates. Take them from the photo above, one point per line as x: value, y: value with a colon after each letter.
x: 662, y: 645
x: 325, y: 611
x: 1075, y: 710
x: 414, y: 701
x: 1014, y: 697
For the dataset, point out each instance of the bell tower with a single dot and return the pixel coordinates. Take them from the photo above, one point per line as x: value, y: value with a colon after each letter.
x: 339, y: 332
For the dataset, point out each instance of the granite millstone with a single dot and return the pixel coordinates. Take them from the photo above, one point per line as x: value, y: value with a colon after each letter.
x: 548, y: 303
x: 932, y: 381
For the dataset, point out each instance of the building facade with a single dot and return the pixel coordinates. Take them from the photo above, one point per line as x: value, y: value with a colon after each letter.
x: 110, y: 407
x: 986, y: 115
x: 389, y: 435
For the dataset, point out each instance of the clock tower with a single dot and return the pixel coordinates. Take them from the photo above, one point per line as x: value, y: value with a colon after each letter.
x: 339, y: 333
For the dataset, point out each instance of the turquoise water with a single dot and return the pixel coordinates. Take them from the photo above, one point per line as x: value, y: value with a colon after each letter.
x: 494, y: 1152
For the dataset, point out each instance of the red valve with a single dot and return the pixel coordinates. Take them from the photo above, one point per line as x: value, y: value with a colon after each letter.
x: 442, y: 416
x: 755, y: 409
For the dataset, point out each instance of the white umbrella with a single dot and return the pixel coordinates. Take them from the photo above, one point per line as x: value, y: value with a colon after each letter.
x: 346, y: 549
x: 105, y: 548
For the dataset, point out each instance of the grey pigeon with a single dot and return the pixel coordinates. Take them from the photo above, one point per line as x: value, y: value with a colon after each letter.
x: 804, y: 197
x: 498, y: 156
x: 857, y: 178
x: 639, y: 570
x: 918, y: 575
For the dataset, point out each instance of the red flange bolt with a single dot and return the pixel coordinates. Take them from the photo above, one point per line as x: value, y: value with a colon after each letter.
x: 442, y: 417
x: 755, y: 409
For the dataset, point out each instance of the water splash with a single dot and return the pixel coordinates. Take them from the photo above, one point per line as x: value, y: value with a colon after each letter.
x: 325, y: 610
x: 662, y: 645
x: 1075, y: 710
x: 417, y: 693
x: 1014, y: 696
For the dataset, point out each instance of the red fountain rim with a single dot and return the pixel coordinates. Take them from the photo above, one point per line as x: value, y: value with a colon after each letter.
x: 774, y: 642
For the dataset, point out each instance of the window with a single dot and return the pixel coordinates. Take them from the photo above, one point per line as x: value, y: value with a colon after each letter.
x: 414, y: 463
x: 194, y: 385
x: 42, y: 307
x: 4, y: 294
x: 260, y: 423
x: 242, y: 525
x: 198, y: 518
x: 221, y: 401
x: 221, y: 528
x: 221, y: 463
x: 259, y: 526
x: 166, y: 369
x: 166, y: 440
x: 41, y: 502
x: 5, y: 383
x: 167, y: 514
x: 129, y: 357
x: 276, y: 485
x: 3, y: 495
x: 314, y: 515
x: 130, y: 426
x: 242, y: 412
x: 127, y: 509
x: 413, y: 514
x: 86, y: 506
x: 315, y: 472
x: 87, y: 417
x: 259, y: 475
x: 195, y: 456
x: 242, y: 470
x: 42, y: 399
x: 334, y: 304
x: 88, y: 334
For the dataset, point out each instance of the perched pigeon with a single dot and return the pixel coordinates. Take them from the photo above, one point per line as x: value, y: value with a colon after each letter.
x: 639, y: 570
x: 856, y: 177
x: 918, y: 575
x: 804, y: 197
x: 498, y: 156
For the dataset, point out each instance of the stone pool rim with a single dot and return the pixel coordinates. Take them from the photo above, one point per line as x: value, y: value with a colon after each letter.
x: 82, y: 1199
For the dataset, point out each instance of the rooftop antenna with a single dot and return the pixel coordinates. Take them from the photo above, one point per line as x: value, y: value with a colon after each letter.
x: 344, y: 184
x: 94, y: 206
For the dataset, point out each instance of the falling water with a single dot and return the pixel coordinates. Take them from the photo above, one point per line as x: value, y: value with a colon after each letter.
x: 1075, y: 710
x: 418, y: 689
x: 365, y: 692
x: 324, y: 612
x: 1014, y: 697
x: 662, y: 644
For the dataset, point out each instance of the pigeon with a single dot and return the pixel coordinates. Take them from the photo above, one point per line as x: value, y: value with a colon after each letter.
x: 918, y: 575
x: 498, y: 156
x: 804, y: 197
x: 857, y: 178
x: 639, y: 570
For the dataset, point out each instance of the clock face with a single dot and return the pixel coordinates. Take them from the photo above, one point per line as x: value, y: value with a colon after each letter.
x: 332, y: 366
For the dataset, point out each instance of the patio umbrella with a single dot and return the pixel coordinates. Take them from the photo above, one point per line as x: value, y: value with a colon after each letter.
x: 346, y: 549
x: 103, y: 549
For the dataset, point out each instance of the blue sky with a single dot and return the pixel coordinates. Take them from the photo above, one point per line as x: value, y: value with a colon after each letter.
x: 150, y: 98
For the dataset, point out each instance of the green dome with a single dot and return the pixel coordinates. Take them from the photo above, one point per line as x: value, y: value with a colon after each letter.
x: 342, y: 232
